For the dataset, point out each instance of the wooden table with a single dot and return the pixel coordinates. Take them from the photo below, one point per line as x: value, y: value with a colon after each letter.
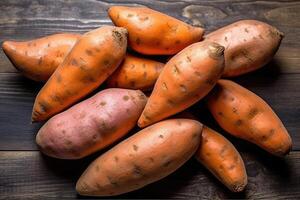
x: 25, y: 173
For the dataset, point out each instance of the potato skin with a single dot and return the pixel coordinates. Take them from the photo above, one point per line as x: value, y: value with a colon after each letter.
x: 184, y: 80
x: 136, y: 73
x: 91, y: 61
x: 104, y: 118
x: 147, y: 156
x: 245, y: 115
x: 37, y: 59
x: 249, y: 45
x: 222, y: 159
x: 152, y: 32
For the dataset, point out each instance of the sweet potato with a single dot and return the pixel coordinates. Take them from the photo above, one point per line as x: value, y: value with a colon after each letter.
x: 245, y: 115
x: 93, y: 58
x: 249, y: 45
x: 147, y: 156
x: 184, y: 80
x: 152, y: 32
x: 135, y: 73
x: 104, y: 118
x: 222, y: 159
x: 37, y: 59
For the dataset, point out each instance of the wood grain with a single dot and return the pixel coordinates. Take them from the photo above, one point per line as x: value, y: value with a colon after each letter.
x: 30, y: 175
x: 26, y: 19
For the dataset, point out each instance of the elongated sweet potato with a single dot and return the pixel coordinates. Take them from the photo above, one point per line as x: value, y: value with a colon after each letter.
x: 104, y: 118
x: 222, y: 159
x: 152, y: 32
x: 249, y: 45
x: 143, y: 158
x: 245, y: 115
x: 135, y: 73
x: 93, y: 58
x: 37, y: 59
x: 184, y: 80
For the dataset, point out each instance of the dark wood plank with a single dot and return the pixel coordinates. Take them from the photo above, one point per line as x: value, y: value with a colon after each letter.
x: 26, y: 19
x: 30, y: 175
x: 281, y: 91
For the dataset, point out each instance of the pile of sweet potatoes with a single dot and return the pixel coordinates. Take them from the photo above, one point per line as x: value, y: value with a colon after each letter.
x: 74, y: 65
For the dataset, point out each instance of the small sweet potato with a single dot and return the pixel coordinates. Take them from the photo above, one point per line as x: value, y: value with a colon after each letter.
x: 249, y: 45
x: 245, y: 115
x: 91, y: 61
x: 37, y: 59
x: 135, y: 73
x: 147, y: 156
x: 184, y: 80
x: 222, y: 159
x: 104, y: 118
x: 152, y: 32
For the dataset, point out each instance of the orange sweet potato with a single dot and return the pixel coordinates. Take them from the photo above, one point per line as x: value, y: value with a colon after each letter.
x: 222, y: 159
x: 135, y: 73
x: 245, y: 115
x: 249, y: 45
x: 184, y: 80
x: 147, y: 156
x: 152, y: 32
x: 93, y: 58
x: 37, y: 59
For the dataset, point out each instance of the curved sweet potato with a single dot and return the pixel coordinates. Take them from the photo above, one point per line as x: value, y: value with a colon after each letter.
x: 37, y: 59
x: 249, y: 45
x: 245, y: 115
x: 184, y: 80
x: 147, y: 156
x: 93, y: 58
x: 222, y: 159
x: 135, y: 73
x: 152, y: 32
x: 104, y: 118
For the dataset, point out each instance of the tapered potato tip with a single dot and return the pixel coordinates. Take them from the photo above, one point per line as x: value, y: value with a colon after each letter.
x: 8, y: 47
x: 215, y: 50
x: 239, y: 187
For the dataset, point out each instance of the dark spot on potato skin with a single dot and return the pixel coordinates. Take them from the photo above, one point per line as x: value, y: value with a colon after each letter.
x: 161, y: 136
x: 125, y: 97
x: 74, y: 62
x: 44, y: 107
x: 209, y: 81
x: 188, y: 59
x: 145, y: 18
x: 118, y: 37
x: 170, y: 102
x: 151, y: 159
x: 138, y: 41
x: 234, y: 110
x: 88, y: 79
x: 238, y: 122
x: 268, y: 135
x: 89, y: 52
x: 252, y: 113
x: 175, y: 69
x: 260, y: 36
x: 177, y: 42
x: 226, y: 39
x: 116, y: 159
x: 130, y: 15
x: 164, y: 86
x: 167, y: 163
x: 231, y: 167
x: 223, y: 150
x: 40, y: 61
x: 103, y: 103
x: 112, y: 181
x: 246, y: 30
x: 137, y: 170
x: 183, y: 88
x: 220, y: 114
x: 135, y: 147
x: 97, y: 168
x: 145, y: 74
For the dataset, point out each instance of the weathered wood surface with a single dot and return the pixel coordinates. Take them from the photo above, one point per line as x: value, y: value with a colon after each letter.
x: 25, y: 174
